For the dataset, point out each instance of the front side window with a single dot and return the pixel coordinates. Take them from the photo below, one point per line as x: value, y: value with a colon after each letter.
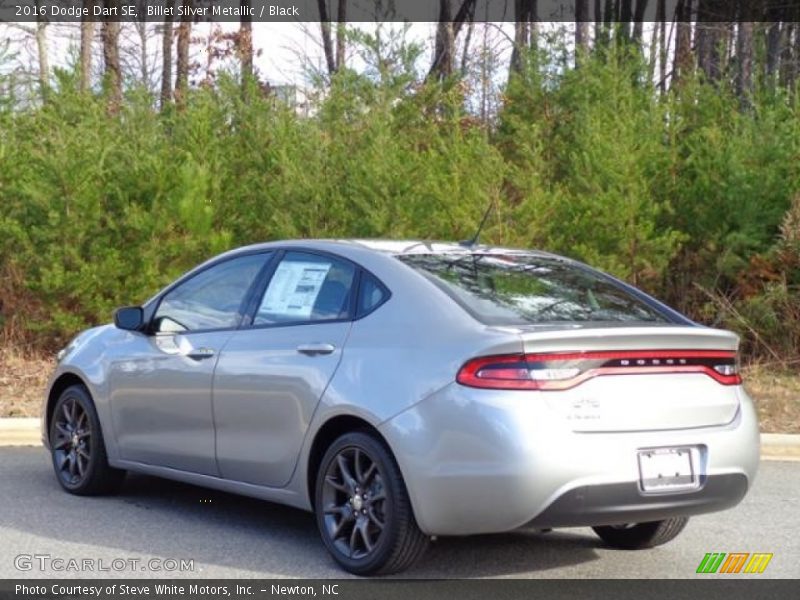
x: 518, y: 289
x: 307, y: 288
x: 212, y: 299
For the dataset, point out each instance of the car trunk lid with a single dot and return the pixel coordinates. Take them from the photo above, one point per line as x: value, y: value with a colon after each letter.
x: 642, y: 378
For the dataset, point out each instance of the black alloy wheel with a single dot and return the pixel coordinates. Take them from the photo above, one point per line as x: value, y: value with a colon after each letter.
x: 77, y: 446
x: 355, y: 503
x: 363, y: 511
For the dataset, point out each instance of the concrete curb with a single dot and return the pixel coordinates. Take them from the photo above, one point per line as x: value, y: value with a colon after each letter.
x: 22, y: 431
x: 780, y: 446
x: 25, y: 432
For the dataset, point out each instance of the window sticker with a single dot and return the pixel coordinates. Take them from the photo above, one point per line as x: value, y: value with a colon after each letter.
x: 294, y: 289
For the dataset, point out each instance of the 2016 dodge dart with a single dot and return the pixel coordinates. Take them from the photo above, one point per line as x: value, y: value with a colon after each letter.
x: 403, y: 390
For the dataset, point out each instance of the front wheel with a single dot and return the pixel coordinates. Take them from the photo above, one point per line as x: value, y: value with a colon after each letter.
x: 77, y: 447
x: 635, y: 536
x: 362, y: 508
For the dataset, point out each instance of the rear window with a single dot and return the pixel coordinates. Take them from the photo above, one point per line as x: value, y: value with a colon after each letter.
x: 523, y: 288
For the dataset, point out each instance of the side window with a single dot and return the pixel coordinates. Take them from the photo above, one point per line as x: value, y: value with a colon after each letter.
x: 212, y: 299
x: 306, y: 288
x: 370, y: 295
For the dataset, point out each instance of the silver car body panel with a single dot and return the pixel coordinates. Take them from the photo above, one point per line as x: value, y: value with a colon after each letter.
x: 640, y: 402
x: 160, y: 399
x: 474, y: 460
x: 513, y: 452
x: 265, y: 393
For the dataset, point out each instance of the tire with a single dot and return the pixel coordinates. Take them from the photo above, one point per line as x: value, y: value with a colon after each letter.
x: 77, y: 447
x: 362, y: 508
x: 641, y: 535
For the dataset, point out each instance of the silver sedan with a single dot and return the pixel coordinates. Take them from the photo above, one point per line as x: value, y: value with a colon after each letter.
x: 403, y: 390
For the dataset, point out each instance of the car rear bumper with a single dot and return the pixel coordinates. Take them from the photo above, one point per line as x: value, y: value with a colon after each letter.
x: 481, y: 461
x: 616, y: 503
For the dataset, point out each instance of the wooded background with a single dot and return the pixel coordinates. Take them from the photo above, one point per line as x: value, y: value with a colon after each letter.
x: 666, y: 152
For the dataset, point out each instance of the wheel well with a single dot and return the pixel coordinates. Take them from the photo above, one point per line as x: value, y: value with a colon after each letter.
x: 59, y: 385
x: 326, y: 435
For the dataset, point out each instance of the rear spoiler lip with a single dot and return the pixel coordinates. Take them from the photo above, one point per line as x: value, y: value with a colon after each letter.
x: 627, y: 338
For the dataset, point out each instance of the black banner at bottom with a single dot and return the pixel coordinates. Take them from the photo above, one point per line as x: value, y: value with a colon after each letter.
x: 393, y: 589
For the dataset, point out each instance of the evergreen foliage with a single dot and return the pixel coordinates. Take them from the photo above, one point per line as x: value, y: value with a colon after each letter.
x: 687, y: 194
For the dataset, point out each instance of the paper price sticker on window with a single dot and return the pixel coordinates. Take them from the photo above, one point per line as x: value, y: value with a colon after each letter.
x: 294, y: 288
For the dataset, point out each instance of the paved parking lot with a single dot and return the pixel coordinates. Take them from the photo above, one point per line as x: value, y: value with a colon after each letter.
x: 229, y: 536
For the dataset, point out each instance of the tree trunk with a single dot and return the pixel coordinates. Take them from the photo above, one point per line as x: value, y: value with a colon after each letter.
x: 598, y: 21
x: 682, y: 63
x: 609, y: 13
x: 744, y: 50
x: 773, y: 47
x: 520, y: 43
x: 327, y: 42
x: 445, y: 42
x: 43, y: 55
x: 774, y: 17
x: 465, y: 50
x: 525, y: 17
x: 581, y: 30
x: 638, y: 20
x: 661, y: 20
x: 485, y: 74
x: 702, y: 50
x: 609, y: 16
x: 87, y: 37
x: 166, y: 62
x: 794, y: 51
x: 716, y: 43
x: 246, y: 43
x: 144, y: 69
x: 625, y: 17
x: 711, y: 37
x: 653, y: 58
x: 112, y: 75
x: 341, y: 27
x: 182, y: 67
x: 788, y: 61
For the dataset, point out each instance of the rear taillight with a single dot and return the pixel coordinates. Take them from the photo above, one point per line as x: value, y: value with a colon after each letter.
x: 561, y: 371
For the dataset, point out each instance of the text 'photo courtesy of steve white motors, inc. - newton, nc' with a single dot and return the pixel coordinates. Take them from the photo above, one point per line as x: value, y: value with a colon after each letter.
x: 170, y: 589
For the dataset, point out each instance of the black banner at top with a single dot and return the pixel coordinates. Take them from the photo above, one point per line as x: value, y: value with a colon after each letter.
x: 727, y: 11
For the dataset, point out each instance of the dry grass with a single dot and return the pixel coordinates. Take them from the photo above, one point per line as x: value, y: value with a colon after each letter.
x: 22, y: 382
x: 777, y: 393
x: 777, y: 396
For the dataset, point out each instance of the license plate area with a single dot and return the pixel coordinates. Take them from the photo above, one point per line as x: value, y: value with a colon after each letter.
x: 665, y: 470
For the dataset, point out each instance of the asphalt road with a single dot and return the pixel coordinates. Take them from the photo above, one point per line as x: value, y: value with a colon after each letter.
x: 230, y: 536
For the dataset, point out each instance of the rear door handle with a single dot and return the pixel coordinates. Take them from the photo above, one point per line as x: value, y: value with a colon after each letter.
x: 315, y: 349
x: 200, y: 353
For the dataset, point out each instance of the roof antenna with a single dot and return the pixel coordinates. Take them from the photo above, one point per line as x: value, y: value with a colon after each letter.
x: 474, y: 241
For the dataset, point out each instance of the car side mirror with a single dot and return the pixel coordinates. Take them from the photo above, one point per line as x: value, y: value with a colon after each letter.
x: 129, y: 318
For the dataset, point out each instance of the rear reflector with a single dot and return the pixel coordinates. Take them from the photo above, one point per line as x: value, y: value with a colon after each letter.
x: 561, y: 371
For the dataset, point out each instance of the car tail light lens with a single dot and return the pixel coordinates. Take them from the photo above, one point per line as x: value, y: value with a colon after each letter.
x: 565, y: 370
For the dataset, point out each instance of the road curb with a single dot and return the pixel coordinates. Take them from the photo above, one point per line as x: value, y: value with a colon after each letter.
x: 780, y: 446
x: 22, y: 431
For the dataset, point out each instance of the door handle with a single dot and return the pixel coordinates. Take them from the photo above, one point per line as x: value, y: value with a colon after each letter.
x: 200, y: 353
x: 315, y: 349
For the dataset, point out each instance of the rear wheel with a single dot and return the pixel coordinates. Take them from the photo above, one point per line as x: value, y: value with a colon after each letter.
x: 635, y: 536
x: 362, y: 507
x: 77, y: 447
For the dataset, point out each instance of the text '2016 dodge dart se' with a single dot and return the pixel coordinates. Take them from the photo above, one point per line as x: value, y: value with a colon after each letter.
x: 402, y: 390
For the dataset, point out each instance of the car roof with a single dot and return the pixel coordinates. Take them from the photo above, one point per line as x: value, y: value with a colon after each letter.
x: 397, y: 247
